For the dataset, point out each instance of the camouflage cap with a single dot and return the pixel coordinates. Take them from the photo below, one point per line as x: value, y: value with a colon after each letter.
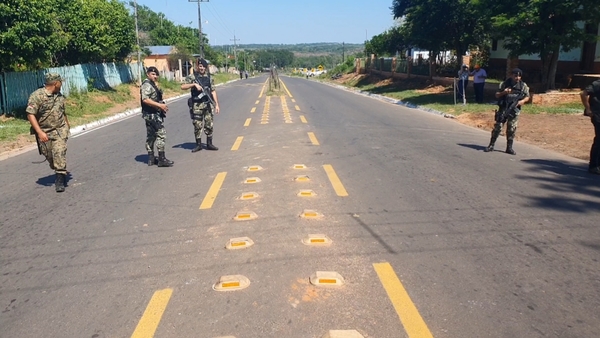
x: 52, y: 77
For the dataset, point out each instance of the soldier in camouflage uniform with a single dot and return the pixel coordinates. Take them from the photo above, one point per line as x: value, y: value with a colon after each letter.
x: 201, y: 106
x: 512, y: 91
x: 49, y: 122
x: 153, y: 112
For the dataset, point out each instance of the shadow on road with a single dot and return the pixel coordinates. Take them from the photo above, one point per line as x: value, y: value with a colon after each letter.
x: 48, y: 181
x: 187, y: 145
x: 477, y: 147
x: 571, y: 189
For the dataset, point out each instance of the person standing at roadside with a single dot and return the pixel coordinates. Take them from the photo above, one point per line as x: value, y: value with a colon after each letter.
x: 49, y: 122
x: 463, y: 82
x: 590, y: 97
x: 154, y: 112
x: 511, y: 95
x: 479, y: 75
x: 203, y: 97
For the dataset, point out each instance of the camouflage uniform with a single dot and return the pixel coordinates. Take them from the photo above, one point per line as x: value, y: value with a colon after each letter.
x: 512, y: 122
x: 49, y: 111
x: 155, y: 130
x: 519, y: 91
x: 201, y: 112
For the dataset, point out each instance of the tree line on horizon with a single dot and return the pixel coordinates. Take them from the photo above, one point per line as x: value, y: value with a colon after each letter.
x: 38, y: 34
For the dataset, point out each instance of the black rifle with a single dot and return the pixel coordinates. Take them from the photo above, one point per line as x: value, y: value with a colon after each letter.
x: 204, y: 92
x: 511, y: 109
x: 37, y: 139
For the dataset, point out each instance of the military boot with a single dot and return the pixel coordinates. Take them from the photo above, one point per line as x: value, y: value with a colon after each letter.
x: 509, y: 147
x: 492, y: 142
x: 198, y: 145
x: 163, y: 161
x: 151, y: 158
x: 60, y: 182
x: 209, y: 144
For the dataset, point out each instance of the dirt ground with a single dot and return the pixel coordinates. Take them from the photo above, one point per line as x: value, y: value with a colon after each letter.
x: 569, y: 134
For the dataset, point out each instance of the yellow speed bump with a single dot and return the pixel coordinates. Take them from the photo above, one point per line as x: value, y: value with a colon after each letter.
x: 254, y: 168
x: 326, y: 278
x: 248, y: 196
x: 306, y: 193
x: 299, y: 166
x: 302, y: 178
x: 252, y: 180
x: 231, y: 283
x: 317, y: 240
x: 343, y: 334
x: 245, y: 216
x: 239, y: 243
x: 311, y: 214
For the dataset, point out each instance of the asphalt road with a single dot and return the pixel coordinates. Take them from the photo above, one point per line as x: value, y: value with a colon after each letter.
x: 430, y: 235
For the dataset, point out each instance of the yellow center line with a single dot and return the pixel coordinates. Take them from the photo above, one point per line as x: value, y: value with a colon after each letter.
x: 313, y: 138
x: 257, y: 101
x: 236, y: 144
x: 297, y: 108
x: 263, y: 89
x: 211, y: 195
x: 285, y: 88
x: 335, y: 181
x: 253, y: 109
x: 412, y: 321
x: 151, y: 317
x: 247, y: 122
x: 293, y: 100
x: 303, y: 119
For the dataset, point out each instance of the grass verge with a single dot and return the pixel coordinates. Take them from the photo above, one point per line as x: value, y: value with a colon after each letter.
x: 422, y: 93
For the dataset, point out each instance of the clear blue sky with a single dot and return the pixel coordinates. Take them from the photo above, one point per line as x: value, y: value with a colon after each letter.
x: 280, y: 21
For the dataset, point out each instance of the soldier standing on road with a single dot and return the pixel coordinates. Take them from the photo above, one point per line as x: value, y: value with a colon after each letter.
x: 201, y: 104
x: 513, y: 92
x: 153, y: 112
x: 590, y: 97
x: 49, y: 122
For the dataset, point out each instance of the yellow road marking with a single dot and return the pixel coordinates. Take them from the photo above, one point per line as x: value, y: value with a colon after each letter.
x: 313, y: 138
x: 335, y: 181
x: 293, y: 100
x: 297, y: 108
x: 151, y: 317
x: 412, y: 321
x: 303, y: 119
x: 211, y: 195
x: 285, y: 88
x: 247, y: 122
x: 253, y: 109
x: 263, y: 89
x: 257, y: 101
x: 236, y: 144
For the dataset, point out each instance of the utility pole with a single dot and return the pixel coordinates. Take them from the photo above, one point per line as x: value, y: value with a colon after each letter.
x: 137, y: 36
x: 201, y: 40
x: 343, y: 52
x: 235, y: 49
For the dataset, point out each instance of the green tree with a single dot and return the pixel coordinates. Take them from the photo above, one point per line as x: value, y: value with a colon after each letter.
x: 30, y: 34
x: 436, y: 25
x: 544, y: 28
x: 93, y: 38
